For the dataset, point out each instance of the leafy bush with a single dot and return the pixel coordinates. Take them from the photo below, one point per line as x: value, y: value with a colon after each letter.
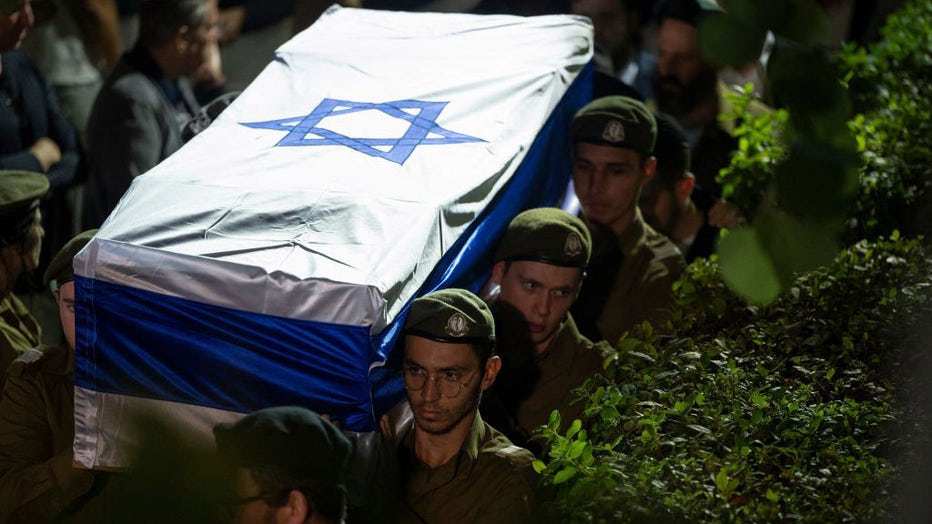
x: 760, y: 148
x: 890, y: 86
x: 747, y: 413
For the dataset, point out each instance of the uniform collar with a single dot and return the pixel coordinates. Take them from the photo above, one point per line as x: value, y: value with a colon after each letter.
x: 604, y: 240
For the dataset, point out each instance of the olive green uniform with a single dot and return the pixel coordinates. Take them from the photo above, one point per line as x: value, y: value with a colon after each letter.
x: 19, y: 332
x: 37, y: 481
x: 569, y: 361
x: 489, y: 481
x: 630, y: 281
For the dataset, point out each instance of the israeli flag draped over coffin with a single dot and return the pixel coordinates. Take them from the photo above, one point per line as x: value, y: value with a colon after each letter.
x: 271, y: 260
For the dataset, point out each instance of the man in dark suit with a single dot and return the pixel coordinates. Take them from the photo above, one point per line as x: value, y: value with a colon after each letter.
x: 137, y: 118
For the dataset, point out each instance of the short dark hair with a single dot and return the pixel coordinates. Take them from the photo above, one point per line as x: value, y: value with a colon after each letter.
x: 160, y: 20
x: 329, y: 500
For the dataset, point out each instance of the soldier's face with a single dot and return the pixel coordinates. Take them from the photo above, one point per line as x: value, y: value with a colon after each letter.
x: 608, y: 182
x: 543, y: 293
x: 65, y: 299
x: 435, y: 412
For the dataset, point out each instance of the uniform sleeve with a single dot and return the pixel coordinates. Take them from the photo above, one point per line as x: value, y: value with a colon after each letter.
x: 34, y: 485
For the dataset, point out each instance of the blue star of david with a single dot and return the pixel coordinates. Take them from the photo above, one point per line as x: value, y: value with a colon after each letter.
x: 423, y: 123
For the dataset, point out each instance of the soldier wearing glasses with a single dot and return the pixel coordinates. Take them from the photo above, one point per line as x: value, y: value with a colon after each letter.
x: 454, y: 466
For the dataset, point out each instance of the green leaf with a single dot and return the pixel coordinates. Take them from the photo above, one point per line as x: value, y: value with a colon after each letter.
x: 554, y: 422
x: 721, y: 480
x: 609, y: 414
x: 597, y: 395
x: 699, y: 429
x: 759, y: 400
x: 794, y: 246
x: 726, y: 40
x: 642, y: 356
x: 771, y: 495
x: 564, y: 474
x: 806, y: 22
x: 539, y: 466
x: 576, y: 449
x: 746, y: 266
x: 574, y: 428
x: 817, y: 180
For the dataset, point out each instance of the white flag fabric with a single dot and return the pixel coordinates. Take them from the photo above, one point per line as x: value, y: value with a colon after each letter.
x: 271, y: 260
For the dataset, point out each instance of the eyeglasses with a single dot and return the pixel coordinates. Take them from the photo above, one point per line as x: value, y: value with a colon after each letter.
x: 449, y: 383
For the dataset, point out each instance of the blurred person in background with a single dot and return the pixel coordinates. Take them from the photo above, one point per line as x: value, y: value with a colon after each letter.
x: 138, y: 117
x: 35, y: 134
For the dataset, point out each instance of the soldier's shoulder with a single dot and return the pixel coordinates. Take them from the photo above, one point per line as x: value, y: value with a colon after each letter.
x: 38, y: 360
x: 503, y: 452
x: 514, y: 455
x: 662, y: 247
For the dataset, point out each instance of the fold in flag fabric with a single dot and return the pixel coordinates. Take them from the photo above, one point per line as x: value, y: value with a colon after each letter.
x: 272, y: 259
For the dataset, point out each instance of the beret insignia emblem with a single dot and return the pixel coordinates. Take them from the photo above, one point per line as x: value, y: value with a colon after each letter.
x: 457, y: 325
x: 573, y: 245
x: 613, y: 132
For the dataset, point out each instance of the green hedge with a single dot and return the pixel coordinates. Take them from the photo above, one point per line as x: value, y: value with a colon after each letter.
x: 782, y: 412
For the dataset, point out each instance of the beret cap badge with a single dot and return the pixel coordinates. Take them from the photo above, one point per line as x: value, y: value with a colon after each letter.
x: 457, y: 325
x: 614, y: 131
x: 573, y: 246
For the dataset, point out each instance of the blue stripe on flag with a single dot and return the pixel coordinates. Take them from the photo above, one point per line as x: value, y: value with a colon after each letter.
x: 144, y: 344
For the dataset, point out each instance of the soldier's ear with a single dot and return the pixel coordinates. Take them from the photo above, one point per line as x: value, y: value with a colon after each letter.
x: 684, y: 188
x: 492, y: 366
x: 498, y: 272
x: 650, y: 168
x: 296, y: 509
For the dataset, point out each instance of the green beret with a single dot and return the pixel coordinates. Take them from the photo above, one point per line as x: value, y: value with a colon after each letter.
x: 287, y: 440
x: 61, y: 268
x: 616, y: 121
x: 20, y: 192
x: 453, y: 316
x: 547, y: 235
